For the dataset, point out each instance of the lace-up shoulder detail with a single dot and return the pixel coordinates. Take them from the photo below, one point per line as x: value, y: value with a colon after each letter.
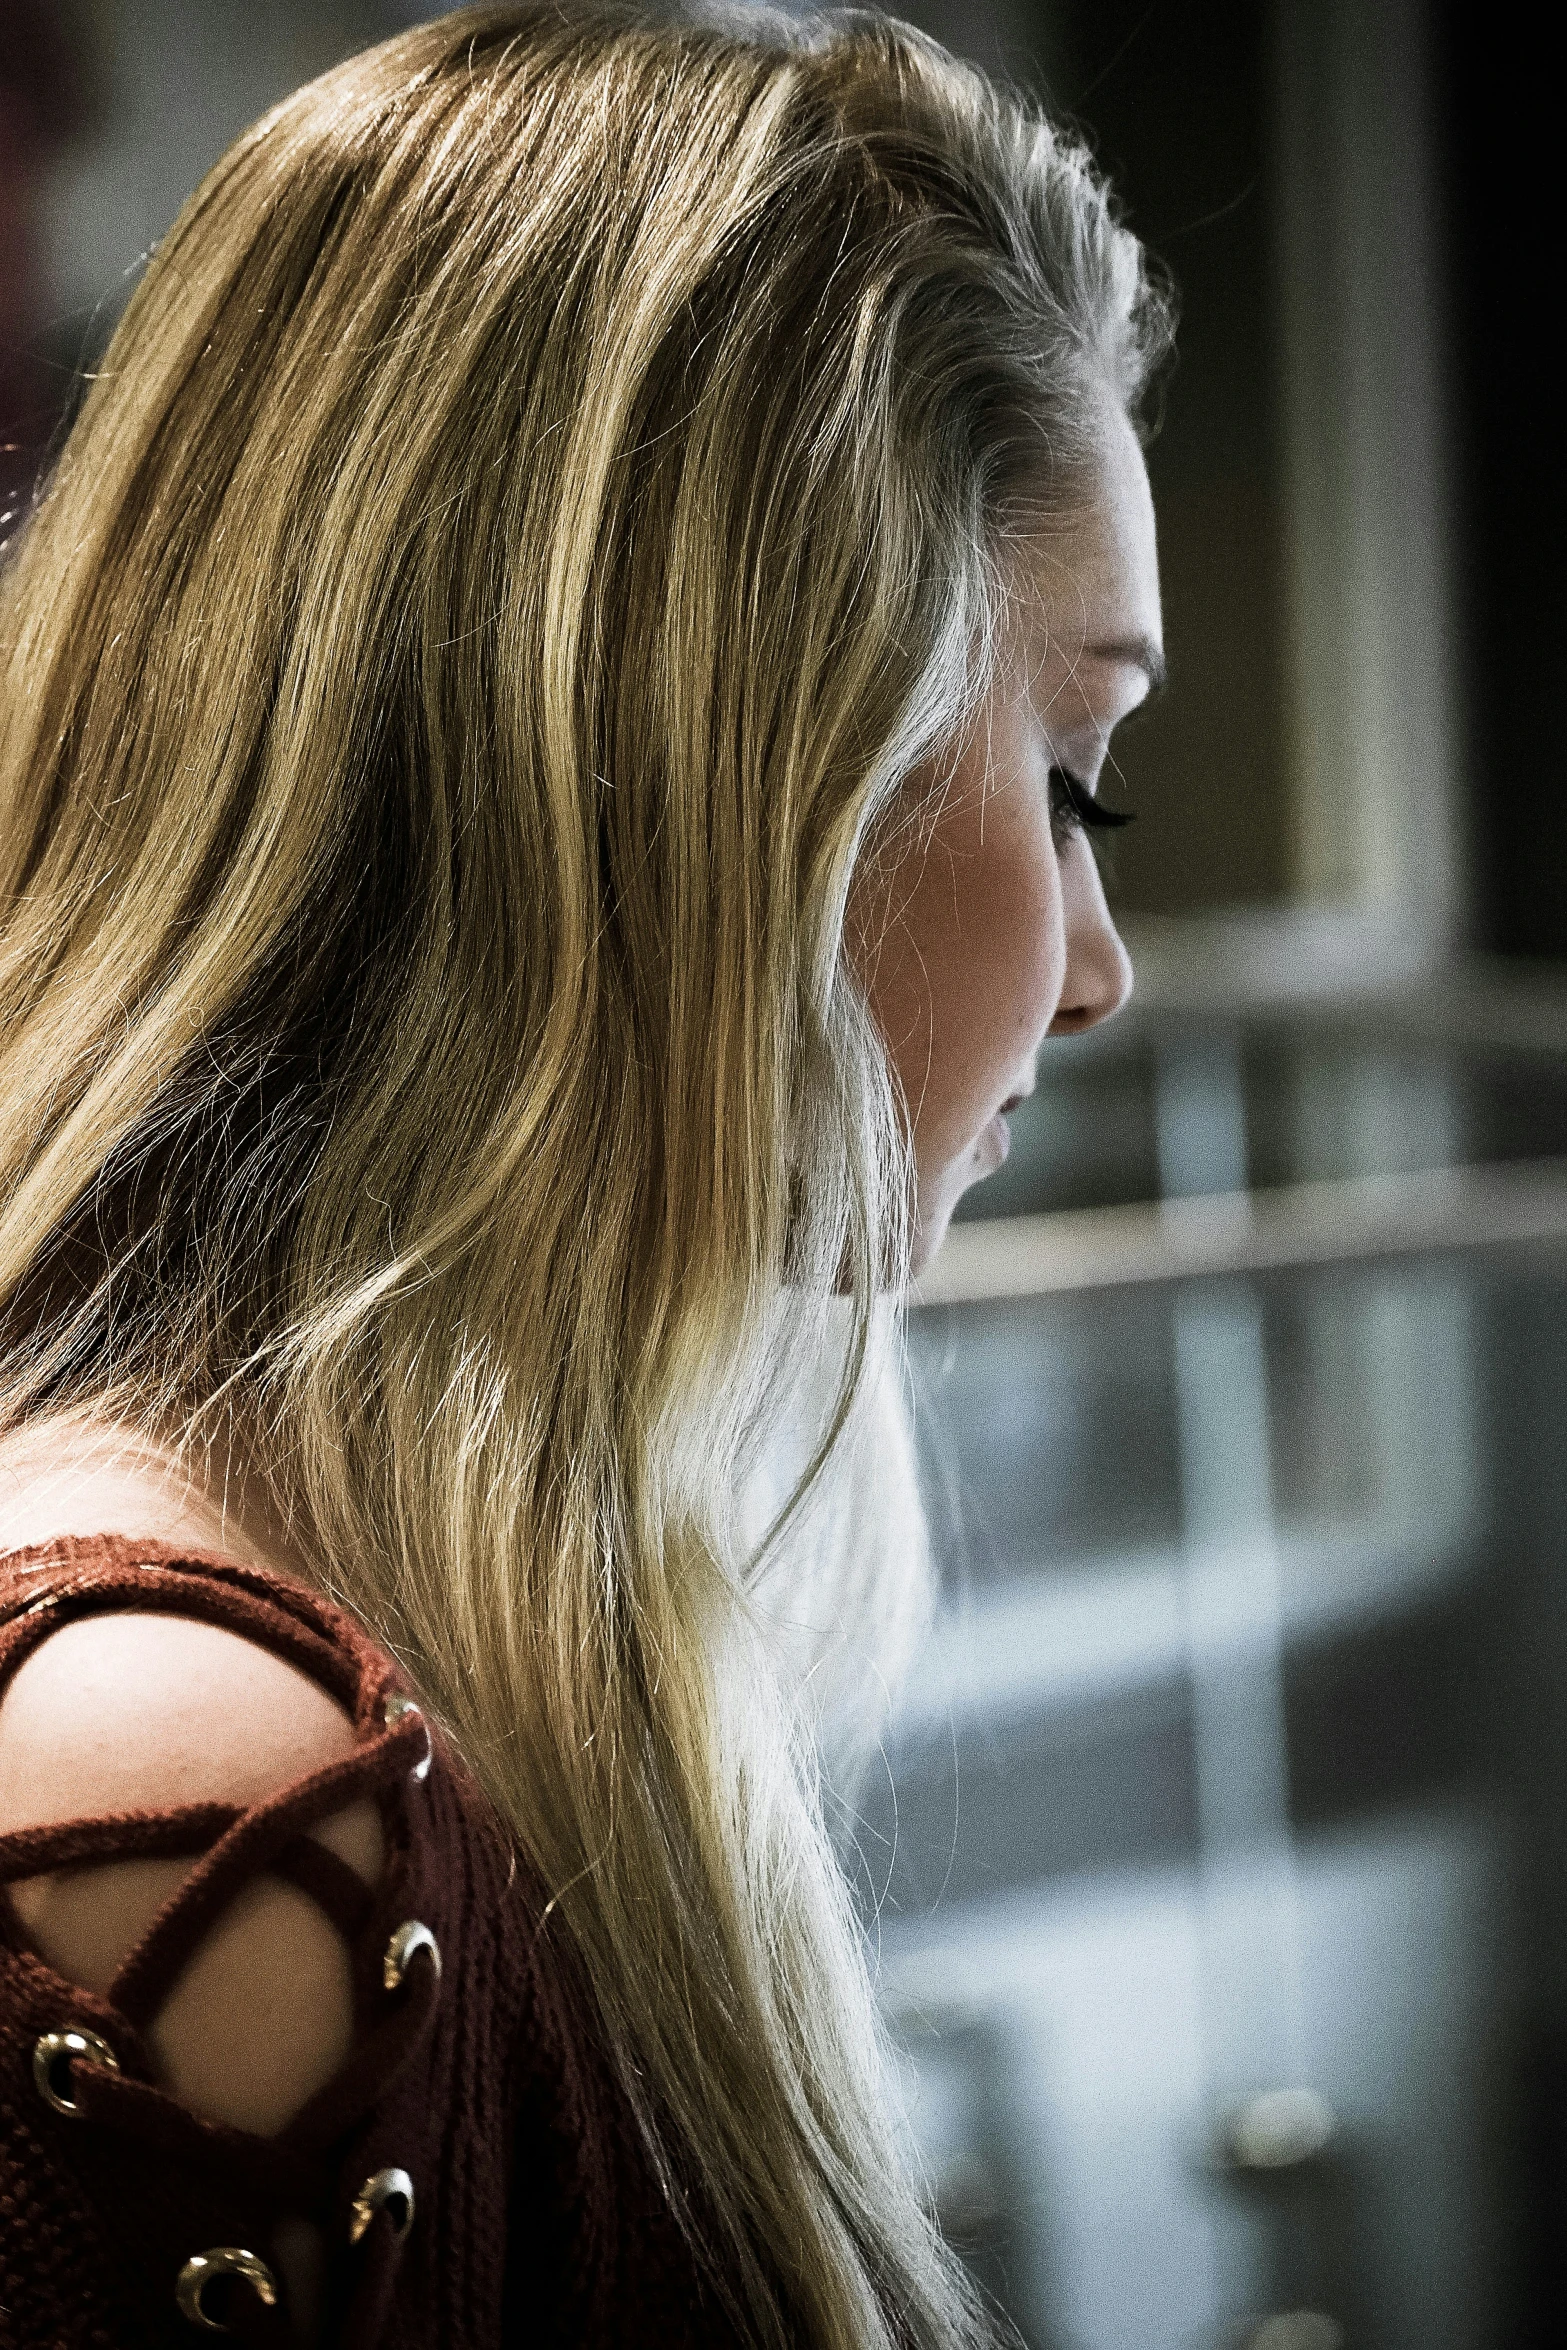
x: 97, y: 2110
x: 471, y: 2169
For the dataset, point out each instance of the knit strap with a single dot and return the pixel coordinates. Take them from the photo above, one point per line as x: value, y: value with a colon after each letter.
x: 122, y: 1835
x: 40, y: 1593
x: 338, y: 1890
x: 312, y: 1867
x: 250, y: 1845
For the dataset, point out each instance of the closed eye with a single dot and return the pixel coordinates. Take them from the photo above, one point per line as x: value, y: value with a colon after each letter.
x: 1073, y: 808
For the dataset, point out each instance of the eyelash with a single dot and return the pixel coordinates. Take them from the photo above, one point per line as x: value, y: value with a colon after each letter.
x: 1073, y: 808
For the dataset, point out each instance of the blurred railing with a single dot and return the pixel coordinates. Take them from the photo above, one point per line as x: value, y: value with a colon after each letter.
x: 1368, y: 1219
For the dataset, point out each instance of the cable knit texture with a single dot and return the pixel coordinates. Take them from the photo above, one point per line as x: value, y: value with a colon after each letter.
x: 537, y: 2216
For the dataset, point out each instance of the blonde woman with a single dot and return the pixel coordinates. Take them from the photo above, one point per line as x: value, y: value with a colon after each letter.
x: 551, y: 709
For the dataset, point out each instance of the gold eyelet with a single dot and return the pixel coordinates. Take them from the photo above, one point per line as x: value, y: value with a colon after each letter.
x: 391, y: 2191
x: 397, y: 1709
x: 224, y: 2260
x: 53, y: 2054
x: 410, y: 1938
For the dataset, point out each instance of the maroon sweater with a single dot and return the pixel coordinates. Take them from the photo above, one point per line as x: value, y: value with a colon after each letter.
x: 475, y: 2083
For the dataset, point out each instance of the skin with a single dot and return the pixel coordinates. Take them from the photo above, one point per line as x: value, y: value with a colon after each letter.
x: 987, y: 931
x: 976, y: 935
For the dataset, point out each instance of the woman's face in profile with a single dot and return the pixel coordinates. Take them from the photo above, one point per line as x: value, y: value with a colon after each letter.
x: 988, y: 931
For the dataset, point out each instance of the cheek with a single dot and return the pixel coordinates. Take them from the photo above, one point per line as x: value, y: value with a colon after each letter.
x: 969, y: 969
x: 1015, y: 930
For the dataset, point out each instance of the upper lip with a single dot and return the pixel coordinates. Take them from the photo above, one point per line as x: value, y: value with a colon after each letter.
x: 1014, y: 1099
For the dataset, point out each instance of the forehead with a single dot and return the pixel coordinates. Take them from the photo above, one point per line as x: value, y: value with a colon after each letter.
x: 1093, y: 577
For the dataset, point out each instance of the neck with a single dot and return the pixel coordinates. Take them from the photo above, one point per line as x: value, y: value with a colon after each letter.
x: 78, y: 1474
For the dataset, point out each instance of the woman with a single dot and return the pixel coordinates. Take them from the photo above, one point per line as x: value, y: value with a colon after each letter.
x: 552, y: 704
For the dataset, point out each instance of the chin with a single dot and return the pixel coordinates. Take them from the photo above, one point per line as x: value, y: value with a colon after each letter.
x: 927, y: 1240
x: 934, y: 1217
x: 937, y: 1200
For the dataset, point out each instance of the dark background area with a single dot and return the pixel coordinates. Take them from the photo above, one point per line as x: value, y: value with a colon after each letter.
x: 1501, y: 134
x: 1174, y: 100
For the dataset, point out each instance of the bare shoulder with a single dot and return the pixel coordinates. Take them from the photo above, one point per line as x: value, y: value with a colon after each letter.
x: 131, y: 1711
x: 135, y: 1711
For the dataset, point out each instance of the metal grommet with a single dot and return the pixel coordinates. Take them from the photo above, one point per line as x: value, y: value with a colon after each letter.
x: 397, y: 1709
x: 52, y: 2057
x: 204, y: 2268
x: 391, y: 2191
x: 410, y: 1938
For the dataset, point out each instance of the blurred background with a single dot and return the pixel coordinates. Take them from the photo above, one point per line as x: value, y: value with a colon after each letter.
x: 1217, y: 1869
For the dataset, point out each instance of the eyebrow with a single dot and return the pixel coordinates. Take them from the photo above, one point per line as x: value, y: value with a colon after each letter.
x: 1142, y: 653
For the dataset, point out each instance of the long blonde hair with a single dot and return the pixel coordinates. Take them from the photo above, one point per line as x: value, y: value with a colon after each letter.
x: 541, y: 503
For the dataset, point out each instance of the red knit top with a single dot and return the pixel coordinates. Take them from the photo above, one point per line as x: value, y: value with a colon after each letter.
x: 476, y: 2172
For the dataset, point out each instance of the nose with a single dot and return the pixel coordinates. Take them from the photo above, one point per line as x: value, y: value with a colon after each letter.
x: 1098, y: 976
